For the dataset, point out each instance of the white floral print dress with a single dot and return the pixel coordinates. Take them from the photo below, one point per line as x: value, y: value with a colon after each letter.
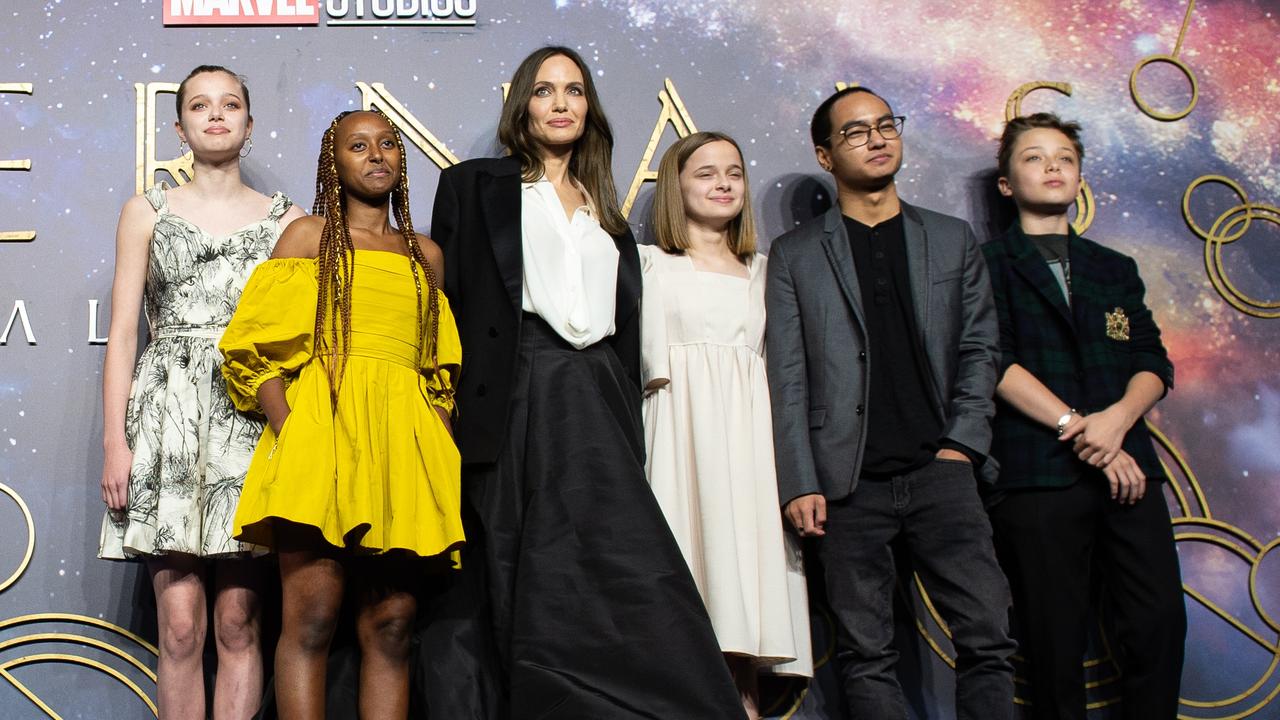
x: 190, y: 446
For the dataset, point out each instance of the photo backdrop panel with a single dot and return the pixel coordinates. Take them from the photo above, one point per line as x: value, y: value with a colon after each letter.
x: 1178, y: 102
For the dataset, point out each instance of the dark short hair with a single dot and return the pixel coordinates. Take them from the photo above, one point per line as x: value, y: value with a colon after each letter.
x: 1021, y: 124
x: 820, y: 127
x: 182, y: 87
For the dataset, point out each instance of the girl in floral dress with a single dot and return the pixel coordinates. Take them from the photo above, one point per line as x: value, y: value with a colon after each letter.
x: 175, y: 450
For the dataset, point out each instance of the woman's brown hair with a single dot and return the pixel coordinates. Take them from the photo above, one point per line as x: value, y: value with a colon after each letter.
x: 335, y: 266
x: 592, y: 160
x: 669, y: 217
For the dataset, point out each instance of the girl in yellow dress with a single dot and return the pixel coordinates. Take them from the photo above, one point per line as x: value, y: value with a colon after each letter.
x: 345, y: 341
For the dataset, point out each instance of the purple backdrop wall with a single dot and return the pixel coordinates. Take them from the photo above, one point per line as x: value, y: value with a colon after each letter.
x: 756, y: 69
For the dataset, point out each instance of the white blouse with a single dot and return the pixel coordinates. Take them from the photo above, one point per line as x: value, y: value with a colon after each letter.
x: 570, y: 266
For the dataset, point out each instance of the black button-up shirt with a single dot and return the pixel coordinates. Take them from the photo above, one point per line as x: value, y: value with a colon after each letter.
x: 903, y: 426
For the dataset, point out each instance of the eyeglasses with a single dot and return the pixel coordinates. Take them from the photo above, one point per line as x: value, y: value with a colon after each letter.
x: 858, y: 135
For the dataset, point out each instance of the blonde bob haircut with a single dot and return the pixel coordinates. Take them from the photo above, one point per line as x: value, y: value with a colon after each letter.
x: 669, y: 218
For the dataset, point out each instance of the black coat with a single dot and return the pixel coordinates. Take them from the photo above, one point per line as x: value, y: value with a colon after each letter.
x: 476, y: 222
x: 1071, y: 349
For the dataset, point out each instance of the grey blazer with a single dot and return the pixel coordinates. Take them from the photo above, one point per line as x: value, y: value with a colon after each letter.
x: 816, y: 340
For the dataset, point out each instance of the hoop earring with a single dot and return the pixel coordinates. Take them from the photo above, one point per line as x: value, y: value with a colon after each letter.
x: 248, y: 147
x: 182, y: 148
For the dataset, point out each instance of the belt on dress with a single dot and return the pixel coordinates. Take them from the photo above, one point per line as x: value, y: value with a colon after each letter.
x: 210, y: 333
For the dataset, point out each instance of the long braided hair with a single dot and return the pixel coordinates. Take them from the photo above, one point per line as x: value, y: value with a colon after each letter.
x: 335, y: 262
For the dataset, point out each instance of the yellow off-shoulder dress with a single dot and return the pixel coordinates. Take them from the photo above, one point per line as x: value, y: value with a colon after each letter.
x: 378, y: 473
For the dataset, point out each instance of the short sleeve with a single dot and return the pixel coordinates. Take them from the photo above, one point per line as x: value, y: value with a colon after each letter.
x: 655, y: 371
x: 271, y: 333
x: 441, y: 381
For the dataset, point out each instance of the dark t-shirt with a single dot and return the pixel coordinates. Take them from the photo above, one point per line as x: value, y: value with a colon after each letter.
x: 1054, y: 249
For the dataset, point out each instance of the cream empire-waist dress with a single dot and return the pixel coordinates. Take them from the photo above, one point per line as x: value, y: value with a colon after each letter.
x: 709, y: 450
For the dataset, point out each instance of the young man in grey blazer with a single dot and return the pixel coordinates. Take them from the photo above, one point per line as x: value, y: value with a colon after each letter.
x: 882, y: 355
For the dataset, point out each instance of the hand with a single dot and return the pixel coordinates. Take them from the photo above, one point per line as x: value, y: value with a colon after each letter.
x: 1128, y: 484
x: 1096, y: 438
x: 949, y: 454
x: 115, y: 477
x: 808, y: 513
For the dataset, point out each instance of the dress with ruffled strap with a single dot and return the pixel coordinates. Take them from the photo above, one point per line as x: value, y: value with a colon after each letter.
x: 190, y: 446
x: 377, y: 472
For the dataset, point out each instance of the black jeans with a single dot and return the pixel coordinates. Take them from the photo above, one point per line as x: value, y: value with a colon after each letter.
x: 940, y: 519
x: 1057, y: 544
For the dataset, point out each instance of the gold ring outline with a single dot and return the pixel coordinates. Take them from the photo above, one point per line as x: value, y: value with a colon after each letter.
x: 1241, y: 215
x: 1208, y: 235
x: 73, y: 659
x: 1152, y: 112
x: 31, y: 537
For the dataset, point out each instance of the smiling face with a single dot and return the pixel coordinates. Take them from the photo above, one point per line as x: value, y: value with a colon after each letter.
x: 558, y: 104
x: 367, y: 154
x: 871, y: 166
x: 712, y: 184
x: 1044, y: 171
x: 214, y: 120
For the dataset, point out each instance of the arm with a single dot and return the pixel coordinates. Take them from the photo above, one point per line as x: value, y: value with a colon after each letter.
x: 294, y: 213
x: 444, y: 231
x: 654, y: 370
x: 301, y: 239
x: 1097, y: 438
x: 443, y: 401
x: 971, y: 404
x: 1032, y: 398
x: 270, y: 334
x: 274, y: 406
x: 786, y: 366
x: 133, y: 241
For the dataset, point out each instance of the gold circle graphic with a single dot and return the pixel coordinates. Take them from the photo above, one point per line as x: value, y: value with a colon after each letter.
x: 137, y: 662
x: 1230, y: 226
x: 1240, y: 215
x: 1151, y: 111
x: 1253, y: 585
x: 1084, y: 208
x: 31, y: 538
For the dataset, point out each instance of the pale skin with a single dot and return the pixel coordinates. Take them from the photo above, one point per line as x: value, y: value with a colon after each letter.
x: 713, y: 188
x: 866, y: 192
x: 313, y: 577
x: 215, y: 123
x: 557, y: 120
x: 1043, y: 180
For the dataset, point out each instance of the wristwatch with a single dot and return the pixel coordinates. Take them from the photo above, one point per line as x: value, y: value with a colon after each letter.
x: 1065, y: 420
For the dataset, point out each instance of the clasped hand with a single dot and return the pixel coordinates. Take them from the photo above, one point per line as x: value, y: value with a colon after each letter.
x: 1096, y: 439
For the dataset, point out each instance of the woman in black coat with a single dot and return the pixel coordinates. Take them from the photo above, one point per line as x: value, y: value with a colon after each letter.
x: 588, y: 602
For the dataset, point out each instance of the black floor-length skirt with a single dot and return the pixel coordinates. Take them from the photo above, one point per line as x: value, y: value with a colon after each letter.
x: 588, y: 609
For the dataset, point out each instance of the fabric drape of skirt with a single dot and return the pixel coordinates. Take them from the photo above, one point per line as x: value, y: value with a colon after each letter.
x: 588, y: 609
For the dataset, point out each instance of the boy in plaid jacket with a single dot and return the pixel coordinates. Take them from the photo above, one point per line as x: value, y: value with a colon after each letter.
x: 1082, y: 363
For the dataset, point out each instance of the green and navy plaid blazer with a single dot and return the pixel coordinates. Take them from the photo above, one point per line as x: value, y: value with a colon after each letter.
x: 1085, y: 352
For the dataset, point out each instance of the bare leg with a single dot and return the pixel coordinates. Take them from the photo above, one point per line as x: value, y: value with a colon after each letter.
x: 178, y: 580
x: 384, y: 627
x: 745, y: 677
x: 236, y: 616
x: 311, y: 597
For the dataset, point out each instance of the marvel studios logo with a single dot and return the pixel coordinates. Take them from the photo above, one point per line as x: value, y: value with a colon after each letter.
x: 455, y: 13
x: 401, y: 12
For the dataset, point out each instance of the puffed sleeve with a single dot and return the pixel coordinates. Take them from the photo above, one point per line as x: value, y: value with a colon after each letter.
x: 655, y: 372
x: 271, y: 333
x: 440, y: 382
